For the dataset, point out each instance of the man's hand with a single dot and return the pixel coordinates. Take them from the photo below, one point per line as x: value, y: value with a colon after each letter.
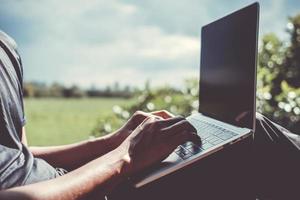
x: 135, y: 120
x: 153, y: 140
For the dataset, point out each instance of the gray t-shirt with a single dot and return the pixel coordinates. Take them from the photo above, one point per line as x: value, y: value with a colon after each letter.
x: 17, y: 164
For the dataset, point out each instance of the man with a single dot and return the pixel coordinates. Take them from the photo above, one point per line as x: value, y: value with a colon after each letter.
x: 95, y: 167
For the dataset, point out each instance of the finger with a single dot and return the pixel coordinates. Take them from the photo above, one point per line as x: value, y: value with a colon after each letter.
x: 141, y: 126
x: 179, y: 127
x: 170, y: 121
x: 139, y: 118
x: 144, y: 115
x: 163, y: 113
x: 149, y: 129
x: 148, y: 119
x: 136, y: 119
x: 193, y: 137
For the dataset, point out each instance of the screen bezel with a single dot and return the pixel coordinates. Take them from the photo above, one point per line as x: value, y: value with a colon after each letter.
x: 236, y: 13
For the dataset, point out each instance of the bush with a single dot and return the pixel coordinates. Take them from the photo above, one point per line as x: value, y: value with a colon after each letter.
x: 278, y: 93
x: 179, y: 102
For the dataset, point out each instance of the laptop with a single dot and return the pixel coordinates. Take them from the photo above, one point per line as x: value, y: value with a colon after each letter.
x: 227, y: 91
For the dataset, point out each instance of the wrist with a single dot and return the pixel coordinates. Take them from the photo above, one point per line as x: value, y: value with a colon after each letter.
x: 123, y: 161
x: 114, y: 139
x: 102, y: 145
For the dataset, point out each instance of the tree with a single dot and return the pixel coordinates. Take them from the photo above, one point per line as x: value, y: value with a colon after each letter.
x: 279, y: 77
x: 292, y: 61
x: 73, y: 91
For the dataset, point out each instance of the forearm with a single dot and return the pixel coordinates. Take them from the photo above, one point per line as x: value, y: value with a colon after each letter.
x: 75, y: 155
x: 98, y: 176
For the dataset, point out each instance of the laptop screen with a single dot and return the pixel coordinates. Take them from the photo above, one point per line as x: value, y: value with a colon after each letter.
x: 228, y: 68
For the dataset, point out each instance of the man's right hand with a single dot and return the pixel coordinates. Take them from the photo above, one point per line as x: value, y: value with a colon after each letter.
x: 153, y: 140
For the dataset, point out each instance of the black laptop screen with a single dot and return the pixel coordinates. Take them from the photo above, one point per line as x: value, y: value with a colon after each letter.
x: 228, y: 67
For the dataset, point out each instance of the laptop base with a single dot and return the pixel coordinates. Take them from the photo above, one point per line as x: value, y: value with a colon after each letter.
x: 225, y: 175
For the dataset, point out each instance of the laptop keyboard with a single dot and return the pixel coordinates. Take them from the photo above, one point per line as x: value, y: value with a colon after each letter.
x: 210, y: 134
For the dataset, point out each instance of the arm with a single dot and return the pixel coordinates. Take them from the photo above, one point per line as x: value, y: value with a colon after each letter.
x: 75, y: 155
x: 148, y: 144
x: 100, y: 176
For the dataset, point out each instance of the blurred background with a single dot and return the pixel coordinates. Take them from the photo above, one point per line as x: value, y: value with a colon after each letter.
x: 88, y: 65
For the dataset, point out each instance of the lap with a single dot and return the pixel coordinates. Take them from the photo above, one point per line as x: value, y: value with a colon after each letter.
x: 263, y: 167
x: 276, y: 161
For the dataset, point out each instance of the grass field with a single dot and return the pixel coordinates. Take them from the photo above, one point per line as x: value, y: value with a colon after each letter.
x: 63, y: 121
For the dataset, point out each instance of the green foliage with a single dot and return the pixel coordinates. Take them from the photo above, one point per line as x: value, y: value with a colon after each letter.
x: 179, y: 102
x: 278, y: 93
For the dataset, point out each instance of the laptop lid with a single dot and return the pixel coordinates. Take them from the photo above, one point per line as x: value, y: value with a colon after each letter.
x: 228, y: 68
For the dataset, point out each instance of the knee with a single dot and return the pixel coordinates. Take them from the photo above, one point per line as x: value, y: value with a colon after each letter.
x: 261, y: 130
x: 260, y: 119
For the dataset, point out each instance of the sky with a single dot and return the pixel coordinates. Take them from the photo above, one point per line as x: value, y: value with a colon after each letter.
x: 100, y: 42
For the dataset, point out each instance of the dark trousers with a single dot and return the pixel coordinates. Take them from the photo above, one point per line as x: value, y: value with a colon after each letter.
x: 276, y: 161
x: 265, y: 166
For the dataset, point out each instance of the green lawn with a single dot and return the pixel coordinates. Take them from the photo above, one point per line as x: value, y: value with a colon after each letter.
x: 63, y: 121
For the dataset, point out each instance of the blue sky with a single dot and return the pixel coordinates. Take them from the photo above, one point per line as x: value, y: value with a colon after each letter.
x: 99, y: 42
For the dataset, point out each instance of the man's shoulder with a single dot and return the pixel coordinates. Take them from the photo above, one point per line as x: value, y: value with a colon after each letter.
x: 9, y: 41
x: 9, y: 46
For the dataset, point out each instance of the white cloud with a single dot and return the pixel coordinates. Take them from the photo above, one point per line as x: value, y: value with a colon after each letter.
x: 84, y: 46
x: 166, y: 46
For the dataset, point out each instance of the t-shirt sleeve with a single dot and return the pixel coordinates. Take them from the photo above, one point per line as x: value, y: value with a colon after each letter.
x: 20, y: 72
x: 19, y: 168
x: 13, y: 47
x: 21, y: 89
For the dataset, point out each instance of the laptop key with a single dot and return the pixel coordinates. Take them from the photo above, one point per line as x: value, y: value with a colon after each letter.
x: 206, y: 145
x: 180, y: 154
x: 232, y: 133
x: 186, y: 156
x: 218, y: 141
x: 225, y: 136
x: 194, y: 150
x: 212, y: 138
x: 185, y: 151
x: 205, y: 136
x: 178, y: 149
x: 203, y: 141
